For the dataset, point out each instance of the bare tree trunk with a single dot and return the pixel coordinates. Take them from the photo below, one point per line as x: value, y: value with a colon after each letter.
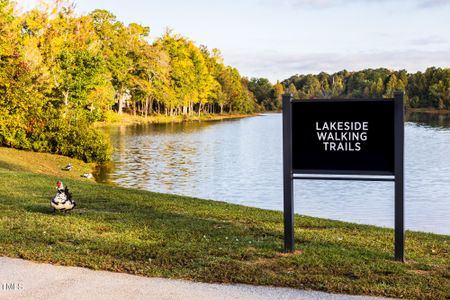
x: 66, y: 103
x: 120, y: 104
x: 150, y: 107
x: 66, y: 98
x: 146, y: 107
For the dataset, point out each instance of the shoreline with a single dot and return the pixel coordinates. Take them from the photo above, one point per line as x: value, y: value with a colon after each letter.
x: 428, y: 111
x: 51, y: 164
x: 128, y: 119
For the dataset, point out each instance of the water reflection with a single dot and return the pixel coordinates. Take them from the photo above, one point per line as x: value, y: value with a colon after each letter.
x: 239, y: 161
x: 439, y: 120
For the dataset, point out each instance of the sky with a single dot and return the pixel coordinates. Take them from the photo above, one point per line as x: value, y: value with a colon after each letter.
x: 276, y: 39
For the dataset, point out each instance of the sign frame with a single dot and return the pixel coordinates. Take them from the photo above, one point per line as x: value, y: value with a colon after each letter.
x: 289, y: 174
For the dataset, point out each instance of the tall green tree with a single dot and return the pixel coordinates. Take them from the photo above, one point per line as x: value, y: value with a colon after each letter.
x: 114, y: 39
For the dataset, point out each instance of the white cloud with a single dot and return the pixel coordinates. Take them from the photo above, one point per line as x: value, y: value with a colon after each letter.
x: 334, y: 3
x: 433, y: 3
x: 430, y: 40
x: 279, y: 66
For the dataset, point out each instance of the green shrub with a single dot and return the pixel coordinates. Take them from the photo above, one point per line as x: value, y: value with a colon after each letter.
x: 81, y: 141
x: 58, y: 136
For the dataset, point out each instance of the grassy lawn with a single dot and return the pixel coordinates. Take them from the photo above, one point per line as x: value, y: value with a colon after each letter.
x: 42, y: 163
x: 153, y: 234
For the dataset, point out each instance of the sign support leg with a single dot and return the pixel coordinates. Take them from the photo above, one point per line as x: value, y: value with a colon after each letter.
x: 399, y: 179
x: 288, y: 186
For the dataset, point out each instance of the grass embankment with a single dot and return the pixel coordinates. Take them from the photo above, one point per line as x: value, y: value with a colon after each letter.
x: 153, y: 234
x: 128, y: 119
x: 42, y: 163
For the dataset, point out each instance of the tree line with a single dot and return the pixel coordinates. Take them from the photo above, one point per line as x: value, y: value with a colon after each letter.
x: 60, y: 72
x: 429, y: 89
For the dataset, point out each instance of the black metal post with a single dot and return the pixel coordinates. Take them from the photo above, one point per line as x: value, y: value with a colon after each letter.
x: 288, y: 186
x: 399, y: 178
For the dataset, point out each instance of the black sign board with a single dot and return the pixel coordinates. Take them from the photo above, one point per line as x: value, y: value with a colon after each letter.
x: 343, y: 139
x: 343, y: 136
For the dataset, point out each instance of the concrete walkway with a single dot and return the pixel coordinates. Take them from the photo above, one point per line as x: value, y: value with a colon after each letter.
x: 21, y: 279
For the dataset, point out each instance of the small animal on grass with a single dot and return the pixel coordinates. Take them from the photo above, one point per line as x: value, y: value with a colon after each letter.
x: 87, y: 175
x: 63, y: 199
x: 68, y: 167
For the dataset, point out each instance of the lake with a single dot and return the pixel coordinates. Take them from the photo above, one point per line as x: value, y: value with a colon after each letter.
x: 240, y: 161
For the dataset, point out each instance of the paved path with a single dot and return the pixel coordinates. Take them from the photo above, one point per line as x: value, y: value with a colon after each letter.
x: 21, y: 279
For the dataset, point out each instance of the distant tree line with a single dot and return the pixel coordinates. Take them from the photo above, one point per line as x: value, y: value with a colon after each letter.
x: 429, y: 89
x: 60, y: 72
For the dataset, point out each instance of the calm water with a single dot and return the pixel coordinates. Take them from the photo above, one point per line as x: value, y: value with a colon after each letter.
x: 239, y: 161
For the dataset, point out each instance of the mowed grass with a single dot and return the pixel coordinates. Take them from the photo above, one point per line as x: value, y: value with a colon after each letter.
x: 42, y: 163
x: 153, y: 234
